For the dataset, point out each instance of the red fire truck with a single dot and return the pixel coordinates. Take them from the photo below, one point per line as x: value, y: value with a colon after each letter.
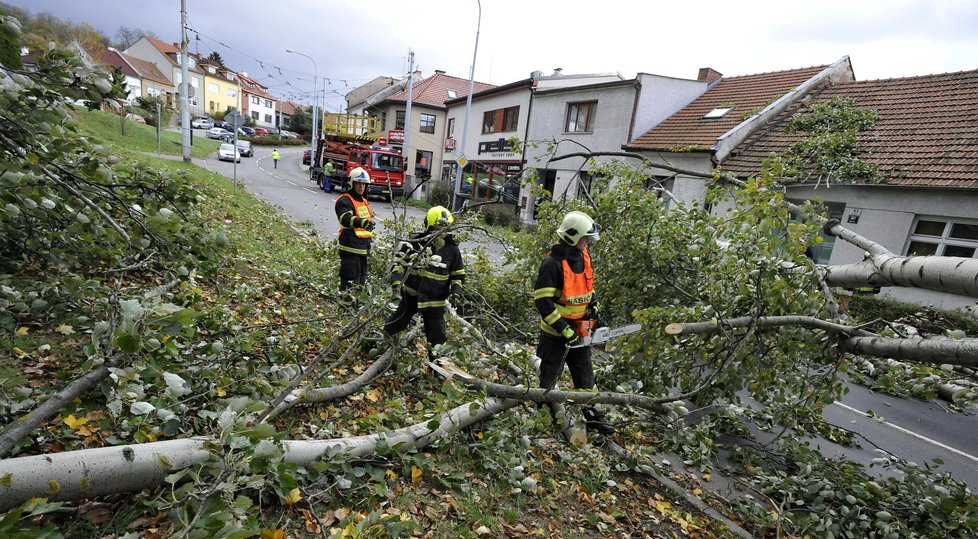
x: 349, y: 141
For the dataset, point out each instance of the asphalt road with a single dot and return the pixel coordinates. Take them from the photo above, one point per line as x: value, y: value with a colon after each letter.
x: 913, y: 430
x: 289, y: 188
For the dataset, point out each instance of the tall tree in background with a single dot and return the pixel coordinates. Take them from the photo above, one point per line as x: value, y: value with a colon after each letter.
x: 216, y: 56
x: 126, y: 36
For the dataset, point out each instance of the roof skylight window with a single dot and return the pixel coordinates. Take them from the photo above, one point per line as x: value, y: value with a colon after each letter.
x: 717, y: 112
x: 452, y: 94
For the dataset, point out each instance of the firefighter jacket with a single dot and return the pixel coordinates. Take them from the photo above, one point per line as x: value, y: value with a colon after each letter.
x: 353, y: 210
x: 564, y: 288
x: 430, y: 268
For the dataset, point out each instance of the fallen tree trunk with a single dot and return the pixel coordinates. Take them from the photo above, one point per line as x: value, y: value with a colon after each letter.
x: 87, y: 473
x: 51, y: 406
x: 962, y: 352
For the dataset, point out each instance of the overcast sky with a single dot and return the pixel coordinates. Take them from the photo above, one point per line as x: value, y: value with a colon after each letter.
x: 353, y: 41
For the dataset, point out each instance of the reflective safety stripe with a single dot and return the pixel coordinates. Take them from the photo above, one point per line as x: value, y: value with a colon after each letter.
x: 431, y: 304
x: 433, y: 276
x: 353, y: 250
x: 457, y: 273
x: 548, y: 292
x: 552, y: 317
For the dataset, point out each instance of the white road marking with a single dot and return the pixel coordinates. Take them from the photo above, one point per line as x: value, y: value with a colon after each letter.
x: 910, y: 432
x: 290, y: 181
x: 310, y: 190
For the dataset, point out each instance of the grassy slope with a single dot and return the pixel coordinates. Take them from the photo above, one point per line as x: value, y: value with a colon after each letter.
x: 273, y: 278
x: 141, y: 137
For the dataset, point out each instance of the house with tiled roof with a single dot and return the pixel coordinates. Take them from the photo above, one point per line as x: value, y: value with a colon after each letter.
x: 284, y: 113
x: 168, y: 59
x: 133, y: 81
x: 259, y: 105
x: 595, y: 118
x: 429, y: 124
x: 701, y: 135
x: 925, y: 145
x: 153, y: 83
x: 496, y: 115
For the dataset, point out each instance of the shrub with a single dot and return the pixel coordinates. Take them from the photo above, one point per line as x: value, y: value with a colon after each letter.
x: 499, y: 215
x: 440, y: 194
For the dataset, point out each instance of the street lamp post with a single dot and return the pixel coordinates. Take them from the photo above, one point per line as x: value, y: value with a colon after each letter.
x: 468, y: 107
x: 315, y: 101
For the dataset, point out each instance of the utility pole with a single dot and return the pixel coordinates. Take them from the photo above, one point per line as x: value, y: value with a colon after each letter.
x: 406, y: 148
x: 184, y: 84
x: 468, y: 107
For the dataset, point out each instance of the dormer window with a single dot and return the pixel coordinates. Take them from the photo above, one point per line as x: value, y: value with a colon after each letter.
x: 718, y: 112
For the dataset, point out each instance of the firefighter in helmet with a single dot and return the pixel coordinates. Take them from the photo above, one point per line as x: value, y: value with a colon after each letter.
x: 429, y: 270
x: 356, y: 231
x: 564, y: 297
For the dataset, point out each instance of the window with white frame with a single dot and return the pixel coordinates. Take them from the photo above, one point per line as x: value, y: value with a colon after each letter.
x: 944, y: 237
x: 254, y: 115
x: 232, y: 92
x: 211, y: 87
x: 268, y: 103
x: 256, y: 100
x: 268, y: 118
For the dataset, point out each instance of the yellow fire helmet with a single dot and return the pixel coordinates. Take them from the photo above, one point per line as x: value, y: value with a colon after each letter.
x: 438, y: 216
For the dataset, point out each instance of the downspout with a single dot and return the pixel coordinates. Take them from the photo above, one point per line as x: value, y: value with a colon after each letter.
x: 631, y: 125
x: 526, y: 135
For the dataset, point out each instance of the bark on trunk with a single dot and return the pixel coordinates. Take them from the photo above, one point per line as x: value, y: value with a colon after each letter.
x: 53, y: 405
x: 96, y: 472
x: 941, y: 273
x: 963, y: 352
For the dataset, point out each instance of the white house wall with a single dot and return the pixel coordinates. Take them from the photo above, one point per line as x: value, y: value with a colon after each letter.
x: 661, y: 97
x: 135, y: 87
x: 886, y: 216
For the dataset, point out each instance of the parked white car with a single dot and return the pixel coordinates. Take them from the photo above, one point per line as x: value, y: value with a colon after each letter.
x: 227, y: 152
x: 202, y: 123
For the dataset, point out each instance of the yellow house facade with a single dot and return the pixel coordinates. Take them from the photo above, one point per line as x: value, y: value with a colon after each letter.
x: 220, y: 89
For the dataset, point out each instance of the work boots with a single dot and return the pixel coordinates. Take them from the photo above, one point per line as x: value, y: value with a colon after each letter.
x: 595, y: 421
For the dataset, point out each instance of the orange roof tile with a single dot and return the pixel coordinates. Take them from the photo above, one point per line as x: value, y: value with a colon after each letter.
x: 747, y: 93
x: 926, y: 134
x: 433, y: 90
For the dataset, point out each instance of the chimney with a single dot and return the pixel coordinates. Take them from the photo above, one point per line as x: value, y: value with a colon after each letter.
x: 557, y: 71
x: 439, y: 71
x: 709, y: 75
x: 536, y: 74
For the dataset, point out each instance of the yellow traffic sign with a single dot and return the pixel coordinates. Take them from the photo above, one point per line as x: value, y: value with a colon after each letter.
x: 462, y: 161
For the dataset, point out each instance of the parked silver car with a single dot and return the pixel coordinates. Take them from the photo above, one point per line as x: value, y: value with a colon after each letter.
x: 219, y: 134
x: 202, y: 123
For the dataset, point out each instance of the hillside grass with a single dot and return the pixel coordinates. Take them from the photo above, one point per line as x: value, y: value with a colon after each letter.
x: 105, y: 126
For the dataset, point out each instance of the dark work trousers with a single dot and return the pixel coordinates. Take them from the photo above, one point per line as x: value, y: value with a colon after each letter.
x: 551, y: 349
x: 353, y: 270
x: 434, y: 320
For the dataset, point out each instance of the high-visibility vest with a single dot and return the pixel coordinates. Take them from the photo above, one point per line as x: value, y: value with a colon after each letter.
x: 577, y: 291
x: 361, y: 208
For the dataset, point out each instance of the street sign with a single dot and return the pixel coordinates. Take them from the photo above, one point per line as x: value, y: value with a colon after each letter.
x: 235, y: 119
x: 462, y: 161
